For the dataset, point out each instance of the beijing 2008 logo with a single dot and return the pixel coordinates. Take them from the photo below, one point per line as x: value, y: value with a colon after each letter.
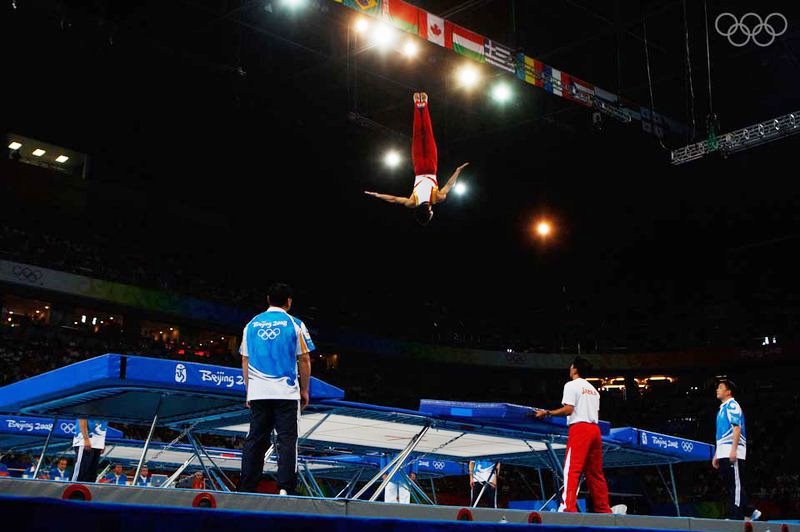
x: 751, y: 27
x: 180, y: 373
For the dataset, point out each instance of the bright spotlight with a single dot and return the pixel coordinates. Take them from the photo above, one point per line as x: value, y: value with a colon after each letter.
x: 392, y: 159
x: 383, y: 36
x: 501, y: 93
x: 362, y: 25
x: 468, y: 76
x: 293, y: 4
x: 544, y: 228
x: 14, y: 146
x: 38, y: 152
x: 410, y: 49
x: 460, y: 189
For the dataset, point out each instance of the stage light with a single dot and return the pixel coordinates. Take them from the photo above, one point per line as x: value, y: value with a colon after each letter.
x: 293, y: 4
x: 14, y: 146
x: 62, y: 159
x: 544, y: 228
x: 468, y: 76
x: 410, y: 49
x: 501, y: 93
x: 38, y: 152
x: 362, y: 25
x: 383, y: 36
x: 392, y: 159
x: 460, y: 189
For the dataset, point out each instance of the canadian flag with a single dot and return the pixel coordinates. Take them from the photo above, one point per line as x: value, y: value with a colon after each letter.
x: 432, y: 28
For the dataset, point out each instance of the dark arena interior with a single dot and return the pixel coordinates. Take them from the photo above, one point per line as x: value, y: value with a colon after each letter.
x: 515, y: 262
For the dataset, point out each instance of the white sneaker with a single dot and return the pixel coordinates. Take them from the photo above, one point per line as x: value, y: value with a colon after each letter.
x: 619, y: 509
x: 282, y: 492
x: 755, y: 515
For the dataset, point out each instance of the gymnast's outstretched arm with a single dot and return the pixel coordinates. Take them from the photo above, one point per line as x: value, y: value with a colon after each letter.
x: 441, y: 195
x: 405, y: 202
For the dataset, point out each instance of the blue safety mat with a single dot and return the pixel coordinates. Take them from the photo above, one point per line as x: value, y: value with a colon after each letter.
x: 132, y: 389
x: 509, y: 414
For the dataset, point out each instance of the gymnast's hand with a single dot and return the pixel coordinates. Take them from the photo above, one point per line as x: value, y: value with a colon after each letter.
x: 539, y: 414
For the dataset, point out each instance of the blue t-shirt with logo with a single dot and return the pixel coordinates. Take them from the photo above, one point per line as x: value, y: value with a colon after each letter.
x: 730, y: 415
x: 272, y: 341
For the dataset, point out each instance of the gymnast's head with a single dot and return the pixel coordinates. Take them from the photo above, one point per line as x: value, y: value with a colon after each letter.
x: 580, y: 368
x: 423, y: 213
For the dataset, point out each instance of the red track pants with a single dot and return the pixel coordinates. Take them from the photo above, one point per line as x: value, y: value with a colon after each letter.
x: 584, y: 455
x: 424, y: 155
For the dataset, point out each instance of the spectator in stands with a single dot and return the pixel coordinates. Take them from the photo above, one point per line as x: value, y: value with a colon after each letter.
x: 195, y: 482
x: 89, y: 442
x: 116, y: 476
x: 3, y: 470
x: 483, y: 475
x: 144, y: 477
x: 274, y: 345
x: 31, y: 469
x: 60, y: 472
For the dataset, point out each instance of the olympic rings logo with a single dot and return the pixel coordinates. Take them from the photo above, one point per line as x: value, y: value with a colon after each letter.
x: 687, y: 446
x: 735, y: 26
x: 23, y: 273
x: 67, y: 428
x: 438, y: 465
x: 269, y: 334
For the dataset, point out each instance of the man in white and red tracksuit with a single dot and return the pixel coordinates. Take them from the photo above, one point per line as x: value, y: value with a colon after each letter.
x: 581, y: 404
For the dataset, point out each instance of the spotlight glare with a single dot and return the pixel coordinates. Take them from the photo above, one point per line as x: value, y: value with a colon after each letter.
x: 468, y: 76
x: 392, y: 159
x: 383, y: 36
x: 293, y: 4
x: 543, y: 228
x: 14, y: 146
x: 501, y: 93
x: 362, y: 25
x: 460, y: 189
x: 62, y: 159
x: 38, y: 152
x: 410, y: 49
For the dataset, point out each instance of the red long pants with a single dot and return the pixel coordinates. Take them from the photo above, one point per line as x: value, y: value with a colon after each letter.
x: 424, y: 155
x: 584, y: 455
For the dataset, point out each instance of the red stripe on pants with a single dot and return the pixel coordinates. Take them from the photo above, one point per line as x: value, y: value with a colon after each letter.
x: 424, y: 155
x: 585, y: 455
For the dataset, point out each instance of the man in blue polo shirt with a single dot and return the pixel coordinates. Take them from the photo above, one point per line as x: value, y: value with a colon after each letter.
x: 276, y: 365
x: 732, y: 451
x: 398, y: 489
x: 60, y: 473
x: 116, y: 476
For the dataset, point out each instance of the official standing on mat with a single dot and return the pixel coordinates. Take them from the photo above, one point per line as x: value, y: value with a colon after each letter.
x: 731, y: 451
x: 276, y: 365
x: 581, y: 405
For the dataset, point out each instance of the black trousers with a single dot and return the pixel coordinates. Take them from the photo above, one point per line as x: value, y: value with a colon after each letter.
x: 86, y: 464
x: 266, y: 415
x: 489, y: 498
x: 733, y: 478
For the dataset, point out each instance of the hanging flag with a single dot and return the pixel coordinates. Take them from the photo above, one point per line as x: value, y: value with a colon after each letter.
x: 431, y: 27
x: 577, y: 90
x: 464, y: 42
x: 608, y: 97
x: 552, y: 80
x: 402, y: 15
x: 499, y: 55
x: 368, y: 7
x: 529, y: 70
